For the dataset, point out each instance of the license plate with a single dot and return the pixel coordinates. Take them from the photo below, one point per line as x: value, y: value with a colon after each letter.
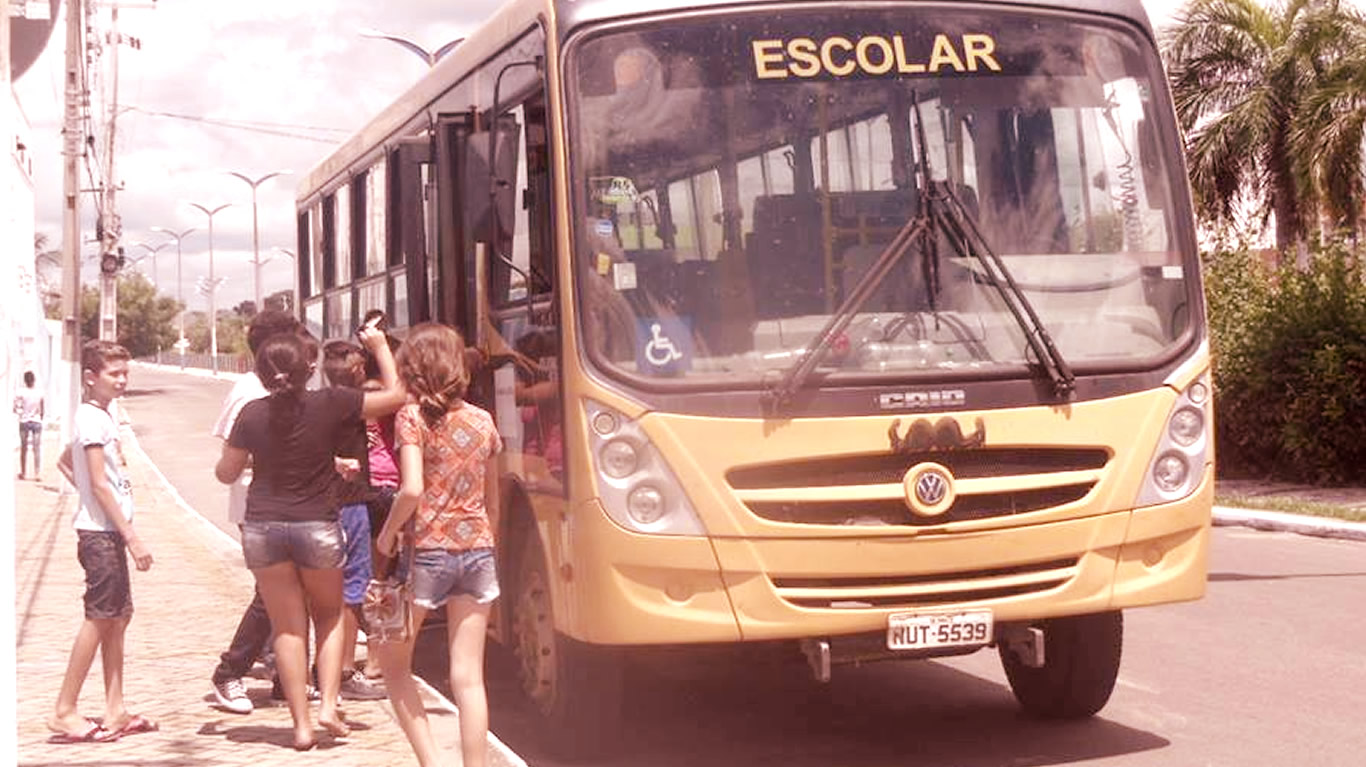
x: 932, y: 630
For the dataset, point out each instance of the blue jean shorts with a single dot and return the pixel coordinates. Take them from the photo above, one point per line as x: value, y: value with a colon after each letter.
x: 439, y: 574
x: 356, y: 572
x: 310, y: 545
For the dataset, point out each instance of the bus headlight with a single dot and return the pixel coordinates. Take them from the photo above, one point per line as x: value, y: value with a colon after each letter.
x: 1170, y: 472
x: 645, y: 504
x: 1183, y: 450
x: 619, y: 459
x: 637, y: 488
x: 1186, y: 426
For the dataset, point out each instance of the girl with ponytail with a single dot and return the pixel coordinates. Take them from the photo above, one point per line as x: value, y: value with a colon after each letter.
x: 291, y: 540
x: 448, y: 482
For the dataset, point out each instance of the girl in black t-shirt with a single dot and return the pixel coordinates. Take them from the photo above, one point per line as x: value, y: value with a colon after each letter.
x: 291, y: 540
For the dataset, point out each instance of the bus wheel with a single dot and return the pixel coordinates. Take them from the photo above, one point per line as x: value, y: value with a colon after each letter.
x: 575, y: 689
x: 1081, y: 662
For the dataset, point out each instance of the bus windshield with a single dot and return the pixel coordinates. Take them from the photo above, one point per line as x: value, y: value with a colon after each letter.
x: 737, y: 177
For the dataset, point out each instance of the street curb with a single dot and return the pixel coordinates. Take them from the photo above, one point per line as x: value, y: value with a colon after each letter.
x: 1276, y: 521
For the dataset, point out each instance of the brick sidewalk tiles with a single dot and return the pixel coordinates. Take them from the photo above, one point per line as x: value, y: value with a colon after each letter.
x: 185, y: 610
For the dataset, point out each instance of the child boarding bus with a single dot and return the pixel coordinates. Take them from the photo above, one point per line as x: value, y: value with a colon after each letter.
x: 870, y: 329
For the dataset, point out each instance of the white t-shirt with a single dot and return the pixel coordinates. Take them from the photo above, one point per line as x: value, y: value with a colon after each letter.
x: 94, y: 426
x: 247, y: 388
x: 28, y: 404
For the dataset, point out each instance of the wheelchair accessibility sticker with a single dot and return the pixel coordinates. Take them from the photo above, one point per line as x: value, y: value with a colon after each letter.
x: 663, y: 345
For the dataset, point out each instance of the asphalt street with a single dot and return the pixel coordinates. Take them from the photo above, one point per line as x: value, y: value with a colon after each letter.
x: 1265, y: 671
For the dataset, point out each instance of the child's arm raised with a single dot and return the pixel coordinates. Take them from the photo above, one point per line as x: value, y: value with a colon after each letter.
x: 392, y: 395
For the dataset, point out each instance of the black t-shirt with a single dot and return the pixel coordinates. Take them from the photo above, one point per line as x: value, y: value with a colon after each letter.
x: 292, y: 441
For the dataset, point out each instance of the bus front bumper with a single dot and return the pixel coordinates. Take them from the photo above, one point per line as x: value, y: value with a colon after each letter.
x: 670, y: 590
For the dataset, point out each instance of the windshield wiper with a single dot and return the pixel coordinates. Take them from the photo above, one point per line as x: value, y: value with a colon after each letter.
x: 780, y: 393
x: 939, y: 210
x: 954, y: 219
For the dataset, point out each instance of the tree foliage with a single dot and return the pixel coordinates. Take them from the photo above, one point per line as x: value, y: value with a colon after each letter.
x: 1269, y: 97
x: 145, y: 321
x: 1290, y: 364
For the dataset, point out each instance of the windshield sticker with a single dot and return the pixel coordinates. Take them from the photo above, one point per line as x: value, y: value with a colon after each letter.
x: 624, y: 276
x: 604, y: 264
x: 614, y: 190
x: 663, y: 345
x: 603, y: 227
x: 874, y: 55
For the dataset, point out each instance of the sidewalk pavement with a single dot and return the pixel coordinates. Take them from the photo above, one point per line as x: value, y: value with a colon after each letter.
x: 185, y: 611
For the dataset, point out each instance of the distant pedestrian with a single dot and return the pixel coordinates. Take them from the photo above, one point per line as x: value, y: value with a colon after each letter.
x: 253, y: 630
x: 344, y: 365
x: 28, y: 405
x: 291, y: 540
x: 449, y: 481
x: 104, y: 530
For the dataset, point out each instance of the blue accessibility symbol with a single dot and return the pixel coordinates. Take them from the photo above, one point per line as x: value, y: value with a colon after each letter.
x: 663, y: 345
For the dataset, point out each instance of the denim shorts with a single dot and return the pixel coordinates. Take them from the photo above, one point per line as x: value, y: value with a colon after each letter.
x: 356, y: 571
x: 439, y: 574
x: 108, y: 588
x: 311, y: 545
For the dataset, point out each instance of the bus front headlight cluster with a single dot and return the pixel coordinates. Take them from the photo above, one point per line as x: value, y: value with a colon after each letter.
x: 1179, y: 461
x: 638, y: 489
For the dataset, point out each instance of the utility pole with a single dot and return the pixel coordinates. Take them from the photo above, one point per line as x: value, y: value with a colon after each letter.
x: 72, y: 135
x: 112, y: 227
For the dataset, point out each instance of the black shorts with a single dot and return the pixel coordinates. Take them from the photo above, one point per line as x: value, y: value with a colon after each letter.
x: 108, y: 589
x: 379, y: 508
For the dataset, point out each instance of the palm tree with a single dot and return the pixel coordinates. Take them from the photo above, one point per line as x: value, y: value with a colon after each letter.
x: 1241, y: 74
x: 1330, y: 127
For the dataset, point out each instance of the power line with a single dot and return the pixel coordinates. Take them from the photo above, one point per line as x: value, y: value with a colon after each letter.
x: 255, y: 126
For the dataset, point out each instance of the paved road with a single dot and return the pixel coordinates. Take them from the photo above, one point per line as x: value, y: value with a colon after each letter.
x: 1266, y: 671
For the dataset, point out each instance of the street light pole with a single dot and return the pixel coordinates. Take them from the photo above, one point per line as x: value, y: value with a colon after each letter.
x: 255, y: 231
x: 213, y: 286
x: 293, y: 292
x: 431, y: 57
x: 179, y: 275
x: 151, y: 251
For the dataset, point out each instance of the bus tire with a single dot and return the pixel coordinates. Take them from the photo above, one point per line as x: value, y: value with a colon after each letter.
x: 1081, y: 663
x: 575, y: 689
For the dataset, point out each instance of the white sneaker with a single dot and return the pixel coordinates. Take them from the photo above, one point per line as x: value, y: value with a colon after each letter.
x: 232, y: 695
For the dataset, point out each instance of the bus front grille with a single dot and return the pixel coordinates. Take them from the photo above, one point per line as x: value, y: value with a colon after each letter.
x: 893, y: 511
x: 925, y: 590
x: 832, y: 471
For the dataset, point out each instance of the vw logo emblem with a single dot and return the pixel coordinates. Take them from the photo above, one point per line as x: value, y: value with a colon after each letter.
x: 929, y: 489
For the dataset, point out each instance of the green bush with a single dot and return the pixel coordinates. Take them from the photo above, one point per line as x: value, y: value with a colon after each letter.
x: 1289, y: 352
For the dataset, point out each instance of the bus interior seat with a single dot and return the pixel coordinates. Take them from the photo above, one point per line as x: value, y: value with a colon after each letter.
x: 785, y: 257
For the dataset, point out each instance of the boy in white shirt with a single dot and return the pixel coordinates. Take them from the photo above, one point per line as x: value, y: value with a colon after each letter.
x: 105, y: 539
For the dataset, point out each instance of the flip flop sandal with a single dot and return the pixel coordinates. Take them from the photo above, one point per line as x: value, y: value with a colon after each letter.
x: 138, y: 723
x: 96, y: 734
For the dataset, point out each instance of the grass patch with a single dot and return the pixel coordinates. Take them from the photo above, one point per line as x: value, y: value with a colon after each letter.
x: 1292, y: 506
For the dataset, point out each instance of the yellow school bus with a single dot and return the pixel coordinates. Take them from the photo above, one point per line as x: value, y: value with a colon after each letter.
x: 873, y: 329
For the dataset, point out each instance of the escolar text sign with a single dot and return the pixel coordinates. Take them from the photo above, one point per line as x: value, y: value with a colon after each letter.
x: 874, y: 55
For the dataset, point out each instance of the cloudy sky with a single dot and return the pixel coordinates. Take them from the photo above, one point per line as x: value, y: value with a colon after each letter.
x: 252, y: 86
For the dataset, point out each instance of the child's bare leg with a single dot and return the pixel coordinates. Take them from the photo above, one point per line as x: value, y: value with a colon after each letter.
x: 323, y: 588
x: 66, y: 718
x: 349, y: 629
x: 283, y: 594
x: 397, y: 662
x: 112, y: 633
x: 467, y: 623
